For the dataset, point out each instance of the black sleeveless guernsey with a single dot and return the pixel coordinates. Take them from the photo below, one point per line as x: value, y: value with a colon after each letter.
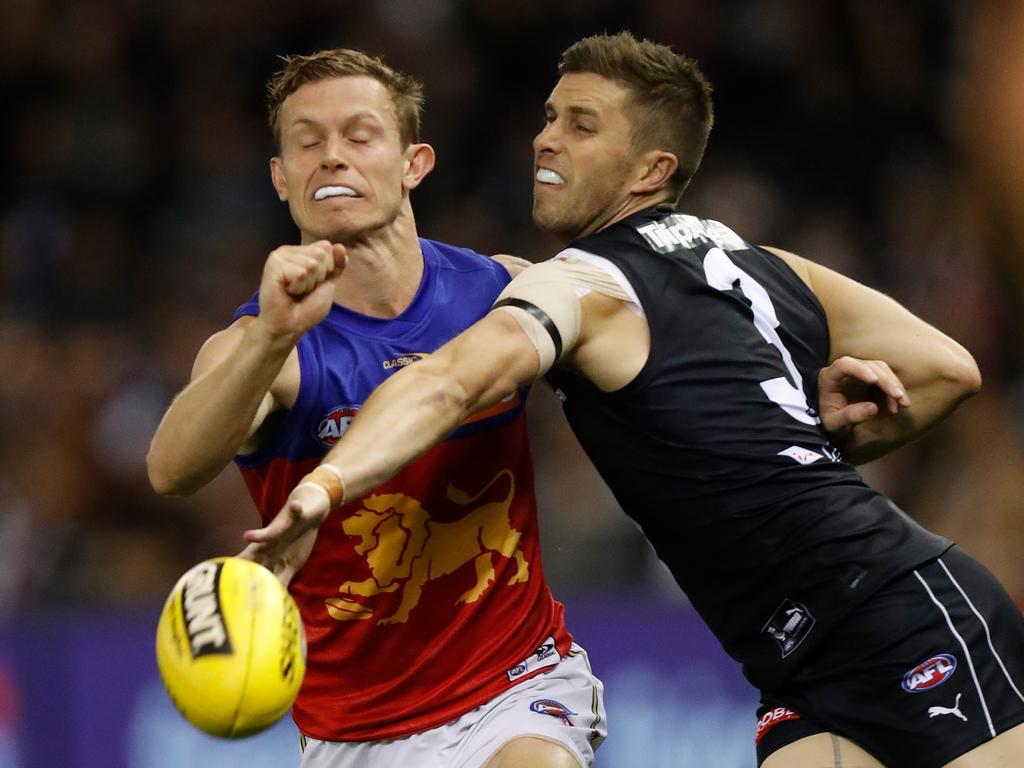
x: 716, y: 449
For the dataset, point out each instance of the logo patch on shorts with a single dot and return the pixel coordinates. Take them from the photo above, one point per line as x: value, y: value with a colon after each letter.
x: 770, y: 719
x: 545, y: 656
x: 789, y: 625
x: 939, y: 711
x: 930, y: 673
x: 553, y: 708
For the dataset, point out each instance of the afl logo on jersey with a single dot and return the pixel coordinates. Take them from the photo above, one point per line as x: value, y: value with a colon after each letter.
x: 930, y: 673
x: 333, y: 425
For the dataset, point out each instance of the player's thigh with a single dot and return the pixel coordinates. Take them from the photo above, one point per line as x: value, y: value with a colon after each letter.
x: 1004, y: 751
x: 533, y: 752
x: 822, y: 750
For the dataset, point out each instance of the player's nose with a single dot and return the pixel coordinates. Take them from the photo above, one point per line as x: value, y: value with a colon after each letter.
x: 334, y: 155
x: 549, y: 138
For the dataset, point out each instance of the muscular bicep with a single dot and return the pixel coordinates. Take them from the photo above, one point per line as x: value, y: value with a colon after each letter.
x: 490, y: 360
x: 614, y: 344
x: 868, y: 325
x: 579, y: 314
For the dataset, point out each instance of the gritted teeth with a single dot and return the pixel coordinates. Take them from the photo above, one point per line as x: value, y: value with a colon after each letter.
x: 325, y: 192
x: 547, y: 176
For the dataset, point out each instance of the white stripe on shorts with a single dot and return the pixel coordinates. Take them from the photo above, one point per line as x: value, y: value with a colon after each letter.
x: 988, y: 635
x: 595, y: 699
x: 967, y: 653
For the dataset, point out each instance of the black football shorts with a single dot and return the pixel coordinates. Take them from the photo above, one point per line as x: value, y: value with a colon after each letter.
x: 929, y: 667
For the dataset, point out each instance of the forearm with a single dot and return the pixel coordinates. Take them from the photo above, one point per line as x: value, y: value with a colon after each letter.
x: 209, y: 421
x: 400, y: 421
x: 420, y: 405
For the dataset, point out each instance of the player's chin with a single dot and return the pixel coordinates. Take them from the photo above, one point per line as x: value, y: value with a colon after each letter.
x: 544, y: 214
x: 550, y: 219
x: 339, y: 229
x: 353, y: 226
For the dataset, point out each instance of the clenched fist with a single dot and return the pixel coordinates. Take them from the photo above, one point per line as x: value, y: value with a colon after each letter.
x: 298, y: 286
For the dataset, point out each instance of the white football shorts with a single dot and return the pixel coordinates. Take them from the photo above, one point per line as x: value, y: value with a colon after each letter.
x: 564, y: 705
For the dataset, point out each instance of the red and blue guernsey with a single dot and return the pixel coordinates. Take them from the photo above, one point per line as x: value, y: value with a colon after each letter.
x: 426, y: 598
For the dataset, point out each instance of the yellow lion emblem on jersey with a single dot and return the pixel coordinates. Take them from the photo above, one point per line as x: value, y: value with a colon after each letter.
x: 405, y: 548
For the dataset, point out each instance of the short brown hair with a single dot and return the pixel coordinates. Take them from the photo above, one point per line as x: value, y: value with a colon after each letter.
x: 406, y: 92
x: 671, y: 96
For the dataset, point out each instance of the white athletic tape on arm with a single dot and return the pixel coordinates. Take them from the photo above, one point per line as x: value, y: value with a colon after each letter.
x: 598, y: 274
x: 544, y: 301
x: 311, y: 484
x: 333, y: 470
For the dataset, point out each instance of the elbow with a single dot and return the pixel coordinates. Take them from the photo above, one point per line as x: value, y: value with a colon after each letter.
x: 962, y: 375
x: 449, y: 395
x: 162, y: 478
x: 443, y: 393
x: 161, y: 481
x: 973, y: 381
x: 968, y: 375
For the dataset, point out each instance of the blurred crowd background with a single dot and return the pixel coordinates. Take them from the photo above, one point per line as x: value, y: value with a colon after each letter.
x: 882, y: 138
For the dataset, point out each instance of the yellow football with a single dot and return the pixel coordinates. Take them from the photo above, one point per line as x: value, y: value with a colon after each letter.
x: 230, y: 647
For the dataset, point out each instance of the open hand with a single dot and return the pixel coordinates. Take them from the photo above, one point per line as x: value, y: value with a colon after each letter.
x: 851, y: 391
x: 284, y: 545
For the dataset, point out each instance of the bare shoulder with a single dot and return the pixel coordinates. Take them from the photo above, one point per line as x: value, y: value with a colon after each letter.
x: 513, y: 264
x: 220, y: 345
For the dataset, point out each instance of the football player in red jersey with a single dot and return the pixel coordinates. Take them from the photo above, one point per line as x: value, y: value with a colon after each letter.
x: 431, y: 629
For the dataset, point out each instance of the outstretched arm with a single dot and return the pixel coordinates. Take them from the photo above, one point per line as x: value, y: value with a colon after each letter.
x: 402, y: 419
x: 937, y: 373
x: 420, y: 405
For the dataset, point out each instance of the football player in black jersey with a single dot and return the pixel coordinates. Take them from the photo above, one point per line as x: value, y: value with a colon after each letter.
x: 687, y: 360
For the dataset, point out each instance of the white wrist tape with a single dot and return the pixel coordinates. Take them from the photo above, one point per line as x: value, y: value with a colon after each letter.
x: 327, y: 478
x: 311, y: 484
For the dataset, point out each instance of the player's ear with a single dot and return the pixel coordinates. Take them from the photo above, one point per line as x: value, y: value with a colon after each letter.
x: 656, y: 169
x: 277, y: 177
x: 417, y: 163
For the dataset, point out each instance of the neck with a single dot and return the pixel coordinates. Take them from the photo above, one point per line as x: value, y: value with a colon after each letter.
x: 625, y: 209
x: 384, y: 268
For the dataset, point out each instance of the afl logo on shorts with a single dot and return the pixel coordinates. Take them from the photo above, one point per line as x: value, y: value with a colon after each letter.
x: 553, y: 708
x: 930, y: 673
x: 333, y: 425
